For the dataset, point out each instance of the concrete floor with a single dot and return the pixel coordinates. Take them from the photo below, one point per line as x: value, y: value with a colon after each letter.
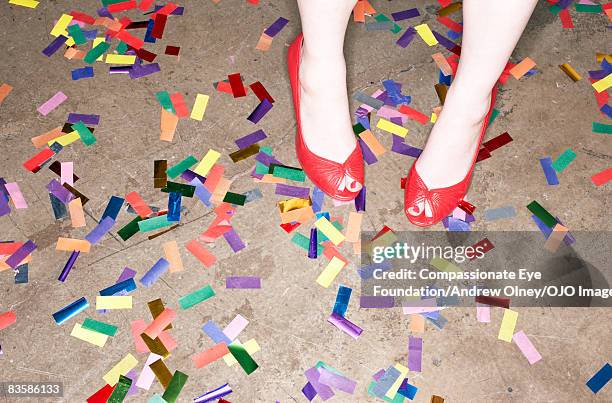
x: 545, y: 114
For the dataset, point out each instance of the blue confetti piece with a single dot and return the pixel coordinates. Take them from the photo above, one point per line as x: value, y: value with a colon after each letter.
x: 440, y: 322
x: 155, y: 272
x: 607, y: 110
x: 113, y: 207
x: 500, y: 213
x: 21, y: 274
x: 317, y: 199
x: 342, y: 300
x: 407, y: 390
x: 549, y: 171
x: 444, y: 79
x: 601, y: 377
x: 174, y: 206
x: 85, y: 72
x: 215, y: 333
x: 148, y: 34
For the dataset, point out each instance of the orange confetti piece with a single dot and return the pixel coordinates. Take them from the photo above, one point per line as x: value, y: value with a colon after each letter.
x: 522, y: 68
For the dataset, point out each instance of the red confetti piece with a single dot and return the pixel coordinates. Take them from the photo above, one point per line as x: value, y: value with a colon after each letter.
x: 602, y: 177
x: 261, y: 92
x: 237, y: 86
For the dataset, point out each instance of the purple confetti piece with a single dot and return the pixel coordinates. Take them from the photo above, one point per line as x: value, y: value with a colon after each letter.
x: 549, y: 171
x: 360, y: 200
x: 126, y: 274
x: 309, y: 391
x: 402, y: 148
x: 234, y: 241
x: 20, y: 254
x: 345, y: 325
x: 90, y: 120
x: 54, y: 46
x: 324, y: 391
x: 242, y: 282
x: 444, y: 41
x: 144, y: 70
x: 188, y: 175
x: 276, y: 27
x: 378, y: 374
x: 406, y: 14
x: 312, y: 245
x: 68, y: 266
x: 292, y: 191
x: 154, y: 273
x: 103, y: 12
x: 4, y: 207
x: 366, y: 301
x: 201, y: 192
x: 100, y: 230
x: 336, y: 381
x: 133, y: 390
x: 415, y: 352
x: 59, y: 191
x: 119, y: 70
x: 368, y: 155
x: 457, y: 225
x: 250, y: 139
x: 406, y: 37
x: 260, y: 111
x: 266, y: 159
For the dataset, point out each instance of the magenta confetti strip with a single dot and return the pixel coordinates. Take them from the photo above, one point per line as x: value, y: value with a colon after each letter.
x: 250, y: 139
x: 62, y: 194
x: 292, y: 191
x: 336, y: 381
x: 260, y: 111
x: 415, y: 351
x: 20, y: 254
x: 90, y: 120
x: 324, y: 391
x: 100, y: 230
x: 233, y: 240
x: 53, y: 102
x: 345, y: 325
x: 242, y: 282
x: 276, y: 27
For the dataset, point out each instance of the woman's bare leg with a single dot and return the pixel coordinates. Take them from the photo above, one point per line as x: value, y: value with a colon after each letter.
x: 491, y: 30
x: 324, y: 107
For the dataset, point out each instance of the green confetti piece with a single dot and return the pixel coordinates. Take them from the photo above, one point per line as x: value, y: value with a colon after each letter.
x: 77, y: 34
x: 358, y: 128
x: 129, y: 229
x: 99, y: 327
x: 173, y: 187
x: 176, y: 170
x: 164, y: 100
x: 383, y: 18
x: 194, y: 298
x: 122, y: 47
x: 86, y: 135
x: 555, y: 9
x: 234, y: 198
x: 96, y: 52
x: 602, y: 128
x: 151, y: 224
x: 494, y: 115
x: 588, y: 8
x: 304, y: 242
x: 542, y: 214
x: 121, y: 390
x: 290, y: 173
x: 261, y: 169
x: 563, y: 160
x: 266, y: 150
x: 174, y: 388
x: 108, y: 2
x: 243, y: 357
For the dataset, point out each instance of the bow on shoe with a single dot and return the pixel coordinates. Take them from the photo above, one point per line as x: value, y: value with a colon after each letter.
x: 421, y: 205
x: 349, y: 183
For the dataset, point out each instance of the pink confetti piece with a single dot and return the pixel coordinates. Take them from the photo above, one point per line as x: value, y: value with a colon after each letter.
x: 237, y: 325
x: 53, y: 102
x: 483, y: 313
x: 526, y: 347
x: 66, y: 172
x: 16, y: 195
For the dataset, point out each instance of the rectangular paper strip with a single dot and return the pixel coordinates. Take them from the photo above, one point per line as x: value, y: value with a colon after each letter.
x: 330, y: 272
x: 114, y: 302
x: 95, y: 338
x: 506, y: 329
x: 52, y: 103
x: 329, y: 231
x: 121, y: 368
x: 526, y: 347
x: 237, y: 325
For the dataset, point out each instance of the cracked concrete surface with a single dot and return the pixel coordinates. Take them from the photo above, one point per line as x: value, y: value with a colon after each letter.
x: 545, y: 114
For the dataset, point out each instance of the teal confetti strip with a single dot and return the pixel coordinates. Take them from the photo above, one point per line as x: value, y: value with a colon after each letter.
x: 602, y: 128
x: 181, y: 167
x: 383, y: 18
x: 151, y: 224
x: 194, y: 298
x: 100, y: 327
x: 588, y: 8
x: 563, y: 160
x: 494, y: 115
x: 86, y: 135
x: 96, y: 52
x: 164, y: 100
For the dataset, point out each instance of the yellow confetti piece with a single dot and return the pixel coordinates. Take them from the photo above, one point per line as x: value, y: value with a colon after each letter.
x: 603, y: 84
x: 506, y: 329
x: 123, y: 367
x: 66, y: 139
x: 95, y: 43
x: 329, y: 231
x: 426, y: 35
x: 207, y: 162
x: 114, y: 302
x: 398, y: 382
x: 330, y: 272
x: 120, y: 59
x: 199, y: 107
x: 444, y: 265
x: 250, y: 346
x: 61, y: 25
x: 24, y: 3
x: 391, y: 127
x: 95, y: 338
x: 434, y: 117
x: 571, y: 73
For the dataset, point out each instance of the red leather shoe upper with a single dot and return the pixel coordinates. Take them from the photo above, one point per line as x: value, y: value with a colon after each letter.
x: 340, y: 181
x: 424, y: 206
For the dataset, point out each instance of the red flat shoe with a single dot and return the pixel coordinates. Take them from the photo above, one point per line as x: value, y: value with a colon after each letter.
x: 424, y: 206
x: 339, y: 181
